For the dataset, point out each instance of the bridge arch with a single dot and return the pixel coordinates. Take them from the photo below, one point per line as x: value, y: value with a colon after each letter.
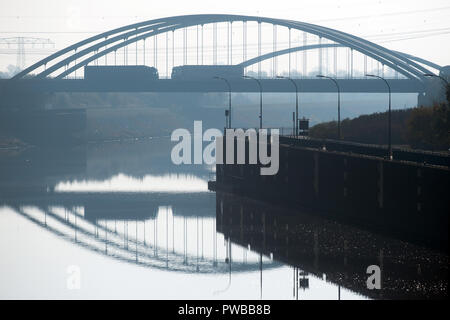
x: 95, y: 47
x: 270, y: 55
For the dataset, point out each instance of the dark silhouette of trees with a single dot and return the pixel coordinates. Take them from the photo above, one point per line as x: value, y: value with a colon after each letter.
x: 429, y: 127
x: 422, y: 127
x: 371, y: 128
x: 448, y: 94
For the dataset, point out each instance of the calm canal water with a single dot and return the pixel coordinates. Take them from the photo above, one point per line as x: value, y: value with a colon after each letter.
x: 119, y: 220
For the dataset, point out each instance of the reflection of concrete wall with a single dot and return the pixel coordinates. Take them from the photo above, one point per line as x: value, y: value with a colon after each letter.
x: 403, y: 199
x: 45, y: 127
x: 31, y: 172
x: 341, y: 252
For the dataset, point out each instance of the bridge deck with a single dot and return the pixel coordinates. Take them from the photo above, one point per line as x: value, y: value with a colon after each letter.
x: 238, y: 85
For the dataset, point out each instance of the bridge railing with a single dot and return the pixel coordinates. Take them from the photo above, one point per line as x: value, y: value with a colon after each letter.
x: 400, y: 154
x: 287, y: 136
x: 283, y: 131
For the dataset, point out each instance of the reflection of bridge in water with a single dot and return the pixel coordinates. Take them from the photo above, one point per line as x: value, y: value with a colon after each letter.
x: 198, y: 232
x: 181, y: 244
x: 153, y: 228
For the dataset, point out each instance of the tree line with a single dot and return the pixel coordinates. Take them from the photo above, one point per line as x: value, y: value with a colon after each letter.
x: 424, y: 127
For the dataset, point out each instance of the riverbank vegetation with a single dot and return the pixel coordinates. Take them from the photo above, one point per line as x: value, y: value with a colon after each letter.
x: 422, y: 127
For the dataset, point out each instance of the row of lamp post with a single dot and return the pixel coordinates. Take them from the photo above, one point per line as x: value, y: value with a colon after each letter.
x: 339, y: 108
x: 260, y: 98
x: 338, y: 102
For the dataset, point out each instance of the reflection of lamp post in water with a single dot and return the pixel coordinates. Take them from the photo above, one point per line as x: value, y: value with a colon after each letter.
x: 300, y: 281
x: 227, y: 260
x: 260, y: 275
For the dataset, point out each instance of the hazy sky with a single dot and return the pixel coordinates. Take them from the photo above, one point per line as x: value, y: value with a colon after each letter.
x: 421, y: 28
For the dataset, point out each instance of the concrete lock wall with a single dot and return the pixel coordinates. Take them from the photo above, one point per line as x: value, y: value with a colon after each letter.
x: 399, y: 198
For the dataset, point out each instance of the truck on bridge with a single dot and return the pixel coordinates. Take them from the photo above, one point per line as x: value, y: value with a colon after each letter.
x: 120, y: 73
x: 206, y: 72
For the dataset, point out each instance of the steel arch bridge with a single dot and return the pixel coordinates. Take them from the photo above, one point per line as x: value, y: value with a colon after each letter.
x: 66, y: 62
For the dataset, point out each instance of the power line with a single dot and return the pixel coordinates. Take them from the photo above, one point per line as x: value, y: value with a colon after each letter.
x: 21, y: 43
x: 145, y: 17
x: 415, y: 37
x: 407, y: 32
x: 403, y: 36
x: 51, y: 32
x: 383, y: 15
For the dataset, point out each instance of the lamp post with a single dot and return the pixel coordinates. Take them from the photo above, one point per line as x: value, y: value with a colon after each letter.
x: 260, y: 98
x: 229, y: 99
x: 296, y: 101
x: 389, y: 113
x: 338, y: 102
x: 447, y: 88
x: 436, y: 76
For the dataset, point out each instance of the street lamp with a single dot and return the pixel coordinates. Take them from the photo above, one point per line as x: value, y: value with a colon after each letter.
x: 447, y: 88
x: 389, y: 114
x: 229, y: 99
x: 436, y: 76
x: 260, y: 98
x: 296, y: 101
x: 338, y: 101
